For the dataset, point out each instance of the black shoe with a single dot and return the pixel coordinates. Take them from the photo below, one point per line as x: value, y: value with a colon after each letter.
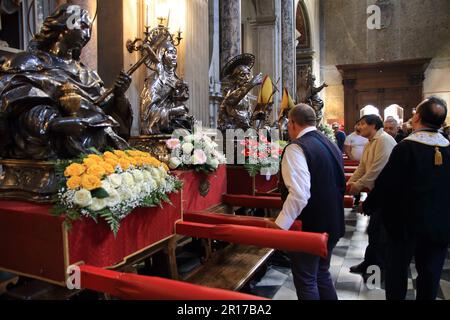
x: 359, y: 268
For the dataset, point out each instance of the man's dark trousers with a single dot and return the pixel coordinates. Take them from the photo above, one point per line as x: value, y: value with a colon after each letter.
x: 429, y: 261
x: 312, y: 277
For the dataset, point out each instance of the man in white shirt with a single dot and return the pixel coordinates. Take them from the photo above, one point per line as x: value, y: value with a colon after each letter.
x: 312, y: 185
x: 354, y: 145
x: 375, y: 156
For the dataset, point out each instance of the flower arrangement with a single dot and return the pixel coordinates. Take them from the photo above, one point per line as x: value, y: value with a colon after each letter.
x: 111, y: 185
x: 327, y: 131
x: 195, y: 151
x: 262, y: 154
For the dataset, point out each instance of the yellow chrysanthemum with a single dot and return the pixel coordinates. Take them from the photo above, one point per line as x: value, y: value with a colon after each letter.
x: 109, y: 169
x: 90, y: 182
x: 165, y: 167
x: 124, y: 164
x: 96, y: 170
x: 90, y: 162
x: 134, y: 153
x: 74, y: 182
x: 120, y: 153
x: 74, y: 170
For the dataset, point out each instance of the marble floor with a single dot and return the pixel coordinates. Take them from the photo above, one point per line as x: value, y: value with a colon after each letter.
x: 278, y: 284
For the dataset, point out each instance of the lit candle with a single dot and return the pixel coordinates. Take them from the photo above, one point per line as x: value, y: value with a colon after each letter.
x: 147, y: 15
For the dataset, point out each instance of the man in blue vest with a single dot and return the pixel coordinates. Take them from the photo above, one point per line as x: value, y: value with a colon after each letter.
x: 312, y: 185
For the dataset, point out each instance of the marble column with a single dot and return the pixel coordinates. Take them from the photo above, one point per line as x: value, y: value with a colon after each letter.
x: 288, y: 45
x: 230, y: 21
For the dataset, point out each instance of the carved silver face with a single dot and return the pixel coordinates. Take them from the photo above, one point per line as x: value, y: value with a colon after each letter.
x: 171, y: 57
x: 242, y: 74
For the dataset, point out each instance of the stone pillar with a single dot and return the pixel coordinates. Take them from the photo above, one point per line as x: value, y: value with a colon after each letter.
x: 230, y: 20
x: 266, y: 28
x: 288, y: 45
x: 215, y: 93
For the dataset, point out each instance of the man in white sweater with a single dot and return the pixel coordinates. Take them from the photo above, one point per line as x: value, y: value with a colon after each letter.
x: 375, y: 156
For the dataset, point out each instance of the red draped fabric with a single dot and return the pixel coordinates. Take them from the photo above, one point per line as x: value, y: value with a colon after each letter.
x: 192, y: 200
x: 312, y: 243
x: 135, y: 287
x: 95, y: 244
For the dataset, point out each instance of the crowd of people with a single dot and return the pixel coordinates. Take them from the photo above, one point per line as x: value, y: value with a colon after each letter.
x: 404, y: 171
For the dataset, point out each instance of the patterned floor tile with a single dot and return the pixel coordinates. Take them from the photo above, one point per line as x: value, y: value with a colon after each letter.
x: 285, y: 293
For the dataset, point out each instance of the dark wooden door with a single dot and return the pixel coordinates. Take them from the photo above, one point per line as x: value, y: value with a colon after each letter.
x: 382, y: 85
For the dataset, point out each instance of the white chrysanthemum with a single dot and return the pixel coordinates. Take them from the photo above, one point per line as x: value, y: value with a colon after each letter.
x: 113, y: 199
x: 115, y: 180
x: 137, y: 175
x: 127, y: 179
x: 97, y: 204
x: 187, y: 148
x: 82, y: 198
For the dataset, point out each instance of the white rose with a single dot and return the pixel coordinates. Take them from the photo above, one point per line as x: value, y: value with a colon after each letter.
x: 174, y: 163
x: 127, y: 179
x: 188, y: 138
x: 113, y: 199
x: 162, y: 172
x: 214, y: 163
x: 162, y: 183
x: 125, y: 194
x: 115, y: 180
x: 137, y: 175
x: 136, y: 190
x: 106, y: 185
x: 152, y: 184
x: 147, y: 175
x: 82, y: 198
x: 97, y: 204
x: 156, y: 174
x: 187, y: 148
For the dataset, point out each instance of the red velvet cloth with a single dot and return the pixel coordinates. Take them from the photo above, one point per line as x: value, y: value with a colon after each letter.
x: 239, y: 181
x: 95, y: 244
x: 312, y: 243
x: 252, y: 201
x: 31, y: 241
x: 219, y: 218
x: 264, y: 185
x: 192, y: 199
x: 135, y: 287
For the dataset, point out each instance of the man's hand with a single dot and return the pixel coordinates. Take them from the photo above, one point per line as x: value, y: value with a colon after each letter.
x: 122, y: 84
x: 351, y: 189
x: 272, y: 225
